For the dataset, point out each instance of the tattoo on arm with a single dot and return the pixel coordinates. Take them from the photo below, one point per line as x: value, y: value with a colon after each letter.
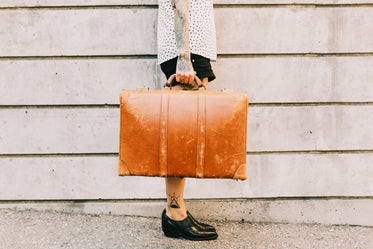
x: 184, y: 64
x: 181, y: 8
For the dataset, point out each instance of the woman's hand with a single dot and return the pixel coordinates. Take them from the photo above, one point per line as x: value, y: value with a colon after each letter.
x: 184, y: 70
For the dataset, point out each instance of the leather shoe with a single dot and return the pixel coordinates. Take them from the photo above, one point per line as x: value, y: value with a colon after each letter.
x: 184, y: 228
x: 201, y: 226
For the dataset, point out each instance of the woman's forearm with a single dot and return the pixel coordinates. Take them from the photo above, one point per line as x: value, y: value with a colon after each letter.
x: 184, y: 67
x: 181, y: 8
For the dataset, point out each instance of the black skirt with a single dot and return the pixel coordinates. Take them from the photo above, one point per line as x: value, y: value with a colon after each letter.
x: 201, y: 66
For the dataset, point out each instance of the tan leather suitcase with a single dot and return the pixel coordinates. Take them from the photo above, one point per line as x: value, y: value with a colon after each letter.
x: 198, y: 134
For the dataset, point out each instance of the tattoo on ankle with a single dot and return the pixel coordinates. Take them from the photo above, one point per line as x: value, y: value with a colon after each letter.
x: 174, y: 199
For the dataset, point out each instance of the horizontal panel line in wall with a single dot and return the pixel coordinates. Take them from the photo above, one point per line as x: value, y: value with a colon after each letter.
x: 155, y: 6
x: 300, y: 5
x: 116, y: 106
x: 154, y: 56
x: 59, y: 155
x: 87, y: 106
x: 312, y: 152
x: 309, y: 104
x: 80, y: 57
x: 74, y: 7
x: 100, y: 200
x: 284, y: 198
x: 115, y: 154
x: 248, y: 55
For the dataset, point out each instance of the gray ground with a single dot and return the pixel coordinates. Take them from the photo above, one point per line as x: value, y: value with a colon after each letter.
x: 36, y: 229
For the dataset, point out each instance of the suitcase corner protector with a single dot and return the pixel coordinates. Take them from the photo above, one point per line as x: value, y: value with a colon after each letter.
x: 123, y: 169
x: 240, y: 173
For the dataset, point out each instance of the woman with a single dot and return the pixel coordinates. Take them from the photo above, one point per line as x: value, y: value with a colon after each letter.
x: 186, y: 44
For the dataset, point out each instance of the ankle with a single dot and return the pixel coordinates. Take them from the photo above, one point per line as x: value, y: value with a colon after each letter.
x: 176, y: 214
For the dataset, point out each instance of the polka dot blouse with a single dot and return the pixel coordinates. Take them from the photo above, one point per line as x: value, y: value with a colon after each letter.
x: 202, y: 32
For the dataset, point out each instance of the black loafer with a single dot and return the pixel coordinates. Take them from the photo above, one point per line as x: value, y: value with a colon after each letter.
x: 201, y: 226
x: 184, y: 228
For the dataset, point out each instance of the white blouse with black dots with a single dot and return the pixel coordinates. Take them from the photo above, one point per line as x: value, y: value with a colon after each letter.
x: 201, y: 28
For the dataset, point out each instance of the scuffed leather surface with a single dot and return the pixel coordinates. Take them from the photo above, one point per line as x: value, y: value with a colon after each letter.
x: 183, y: 133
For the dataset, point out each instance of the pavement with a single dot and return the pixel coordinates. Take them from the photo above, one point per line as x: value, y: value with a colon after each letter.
x: 46, y: 229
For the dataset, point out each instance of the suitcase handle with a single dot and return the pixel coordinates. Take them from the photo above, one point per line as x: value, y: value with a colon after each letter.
x: 172, y: 82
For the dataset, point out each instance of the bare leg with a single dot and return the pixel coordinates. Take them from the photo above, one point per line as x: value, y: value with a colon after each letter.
x: 175, y: 209
x: 175, y: 198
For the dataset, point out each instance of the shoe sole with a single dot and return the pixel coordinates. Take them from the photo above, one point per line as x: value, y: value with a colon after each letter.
x: 175, y: 236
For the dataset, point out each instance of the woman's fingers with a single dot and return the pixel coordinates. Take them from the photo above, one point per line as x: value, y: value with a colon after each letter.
x: 185, y: 78
x: 191, y: 79
x: 178, y: 77
x: 171, y: 79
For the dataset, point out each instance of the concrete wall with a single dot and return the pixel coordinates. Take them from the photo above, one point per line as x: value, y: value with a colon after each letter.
x: 307, y: 67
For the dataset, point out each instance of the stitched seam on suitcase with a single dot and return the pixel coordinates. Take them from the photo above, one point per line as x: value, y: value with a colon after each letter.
x: 163, y: 133
x: 204, y: 135
x: 201, y: 134
x: 197, y: 157
x: 168, y: 114
x: 160, y: 133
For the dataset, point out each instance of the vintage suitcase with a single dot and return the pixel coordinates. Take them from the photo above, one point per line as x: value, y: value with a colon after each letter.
x: 198, y: 134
